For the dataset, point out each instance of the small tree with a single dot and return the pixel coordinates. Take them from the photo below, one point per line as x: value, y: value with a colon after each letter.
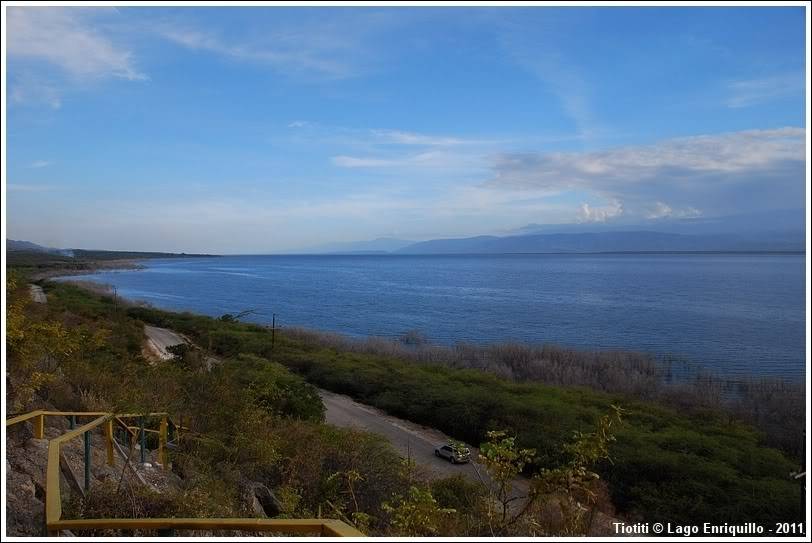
x: 417, y: 513
x: 572, y: 484
x: 504, y: 461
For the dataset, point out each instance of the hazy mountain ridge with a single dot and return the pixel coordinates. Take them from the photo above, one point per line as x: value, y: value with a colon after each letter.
x: 375, y: 246
x: 623, y: 241
x: 777, y: 230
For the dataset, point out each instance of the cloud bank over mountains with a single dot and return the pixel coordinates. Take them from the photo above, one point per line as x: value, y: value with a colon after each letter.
x: 681, y: 177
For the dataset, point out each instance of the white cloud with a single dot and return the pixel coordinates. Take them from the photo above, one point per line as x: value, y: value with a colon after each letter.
x: 661, y: 210
x: 298, y: 124
x: 587, y: 213
x: 722, y: 172
x: 65, y: 38
x: 752, y: 92
x: 723, y: 153
x: 39, y: 164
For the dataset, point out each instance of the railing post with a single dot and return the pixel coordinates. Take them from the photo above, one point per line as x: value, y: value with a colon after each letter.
x: 162, y: 449
x: 166, y: 532
x: 143, y: 440
x: 87, y: 460
x: 39, y: 427
x: 108, y: 427
x: 72, y: 422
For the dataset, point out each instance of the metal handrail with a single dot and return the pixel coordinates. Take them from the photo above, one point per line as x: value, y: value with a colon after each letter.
x: 53, y: 497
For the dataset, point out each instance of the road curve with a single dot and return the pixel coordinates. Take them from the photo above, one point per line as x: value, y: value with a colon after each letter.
x: 158, y: 339
x: 409, y: 439
x: 37, y: 294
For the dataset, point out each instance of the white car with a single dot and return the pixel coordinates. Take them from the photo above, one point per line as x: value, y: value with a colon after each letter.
x: 460, y: 455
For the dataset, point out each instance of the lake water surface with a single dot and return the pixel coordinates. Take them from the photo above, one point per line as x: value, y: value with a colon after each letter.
x: 735, y: 314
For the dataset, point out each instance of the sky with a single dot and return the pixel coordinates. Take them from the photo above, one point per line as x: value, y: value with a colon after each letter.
x: 268, y: 129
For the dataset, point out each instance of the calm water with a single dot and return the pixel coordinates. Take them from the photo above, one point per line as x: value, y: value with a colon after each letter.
x: 737, y: 314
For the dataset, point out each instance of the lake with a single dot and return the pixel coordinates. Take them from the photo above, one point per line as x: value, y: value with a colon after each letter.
x: 734, y: 314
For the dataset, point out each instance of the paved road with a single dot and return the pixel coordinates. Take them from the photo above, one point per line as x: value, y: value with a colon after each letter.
x: 37, y: 294
x: 409, y: 439
x: 158, y: 339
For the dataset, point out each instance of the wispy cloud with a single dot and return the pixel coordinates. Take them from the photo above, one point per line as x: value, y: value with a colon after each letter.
x: 399, y: 137
x: 28, y: 89
x: 751, y: 92
x: 65, y: 38
x: 39, y: 164
x: 541, y: 54
x: 290, y: 52
x: 428, y: 159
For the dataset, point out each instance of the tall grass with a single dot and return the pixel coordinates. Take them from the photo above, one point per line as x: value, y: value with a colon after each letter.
x: 774, y: 406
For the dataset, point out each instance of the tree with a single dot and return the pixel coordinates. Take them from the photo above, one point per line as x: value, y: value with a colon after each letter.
x: 572, y: 485
x: 417, y: 513
x: 504, y: 461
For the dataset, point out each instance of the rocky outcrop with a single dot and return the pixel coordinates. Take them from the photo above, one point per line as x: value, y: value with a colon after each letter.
x: 260, y: 499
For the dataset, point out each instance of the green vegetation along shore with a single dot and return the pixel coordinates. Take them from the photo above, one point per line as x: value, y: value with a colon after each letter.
x: 260, y: 415
x: 666, y: 466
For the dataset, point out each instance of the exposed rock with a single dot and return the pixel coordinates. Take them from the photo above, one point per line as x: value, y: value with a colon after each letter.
x: 260, y: 500
x: 267, y: 499
x: 26, y: 465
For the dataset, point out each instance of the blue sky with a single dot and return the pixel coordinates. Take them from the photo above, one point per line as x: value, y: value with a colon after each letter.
x: 273, y: 129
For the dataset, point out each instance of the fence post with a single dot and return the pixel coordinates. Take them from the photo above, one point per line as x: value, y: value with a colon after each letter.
x: 39, y: 427
x: 88, y: 459
x: 108, y: 427
x: 72, y: 422
x: 143, y: 440
x: 162, y: 449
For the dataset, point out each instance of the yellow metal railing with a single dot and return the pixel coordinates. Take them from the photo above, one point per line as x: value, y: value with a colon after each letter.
x: 53, y: 498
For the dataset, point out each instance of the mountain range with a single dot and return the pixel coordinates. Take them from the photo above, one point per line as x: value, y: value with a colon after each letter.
x: 772, y: 231
x: 776, y: 231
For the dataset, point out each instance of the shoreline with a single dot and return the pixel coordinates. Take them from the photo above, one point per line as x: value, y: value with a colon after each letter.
x: 768, y: 403
x: 679, y: 369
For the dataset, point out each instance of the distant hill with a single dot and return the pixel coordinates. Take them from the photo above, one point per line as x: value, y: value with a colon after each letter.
x: 628, y: 241
x: 19, y: 246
